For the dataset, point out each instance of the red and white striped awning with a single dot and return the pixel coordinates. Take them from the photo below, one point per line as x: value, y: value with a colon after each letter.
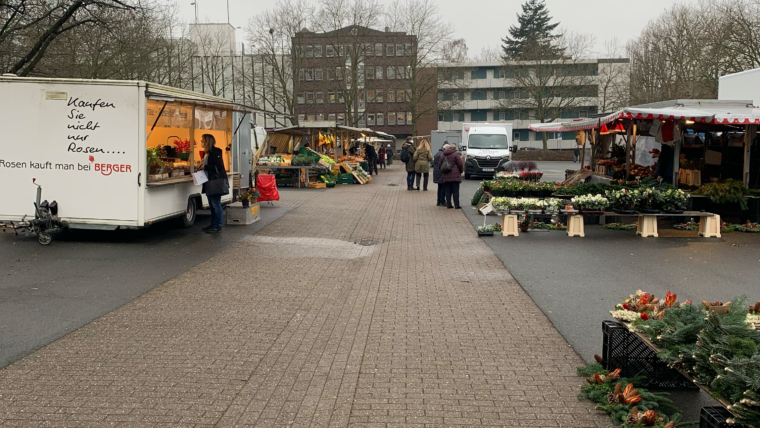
x: 710, y: 116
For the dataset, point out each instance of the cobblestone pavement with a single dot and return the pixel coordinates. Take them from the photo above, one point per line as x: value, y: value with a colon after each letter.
x: 366, y: 306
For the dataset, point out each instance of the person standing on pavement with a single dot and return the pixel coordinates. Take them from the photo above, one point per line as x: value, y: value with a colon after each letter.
x: 381, y: 157
x: 213, y: 164
x: 453, y: 177
x: 441, y: 199
x: 371, y: 155
x: 422, y: 158
x: 576, y: 154
x: 388, y: 155
x: 407, y: 156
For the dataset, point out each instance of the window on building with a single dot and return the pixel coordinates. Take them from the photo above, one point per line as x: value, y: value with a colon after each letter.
x: 390, y: 51
x: 309, y: 74
x: 341, y: 119
x: 362, y: 122
x: 342, y: 51
x: 516, y: 136
x: 457, y: 74
x: 400, y: 118
x: 338, y: 73
x: 478, y: 73
x: 549, y: 135
x: 379, y: 95
x: 460, y: 117
x: 497, y: 115
x: 479, y: 116
x: 479, y: 95
x: 331, y: 97
x: 310, y: 98
x: 301, y: 117
x: 370, y: 96
x: 301, y: 98
x: 499, y: 73
x: 379, y: 118
x: 329, y: 51
x: 378, y: 72
x: 370, y: 119
x: 301, y: 74
x: 400, y: 96
x: 319, y: 74
x: 399, y: 49
x: 583, y: 113
x: 408, y: 49
x: 310, y: 117
x: 317, y: 51
x: 378, y: 49
x: 408, y: 95
x: 320, y: 97
x: 391, y: 118
x: 331, y: 117
x: 508, y: 115
x: 370, y: 72
x: 330, y: 74
x: 309, y: 51
x: 570, y: 114
x: 446, y: 117
x: 409, y: 118
x: 369, y: 49
x: 390, y: 72
x: 320, y: 116
x: 341, y: 99
x: 391, y: 97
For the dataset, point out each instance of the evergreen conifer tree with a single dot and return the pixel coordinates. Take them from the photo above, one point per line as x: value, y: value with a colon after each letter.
x: 534, y: 37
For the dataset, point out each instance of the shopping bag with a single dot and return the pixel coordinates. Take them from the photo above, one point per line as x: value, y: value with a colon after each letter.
x: 267, y: 185
x: 199, y: 177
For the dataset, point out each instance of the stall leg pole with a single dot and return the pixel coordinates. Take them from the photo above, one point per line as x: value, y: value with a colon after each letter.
x: 747, y: 144
x: 628, y: 152
x: 676, y: 160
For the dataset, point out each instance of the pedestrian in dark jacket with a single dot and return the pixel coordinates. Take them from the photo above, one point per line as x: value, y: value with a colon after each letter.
x: 438, y: 177
x: 213, y: 164
x: 371, y: 155
x: 388, y: 155
x: 381, y: 157
x: 453, y: 178
x: 410, y: 172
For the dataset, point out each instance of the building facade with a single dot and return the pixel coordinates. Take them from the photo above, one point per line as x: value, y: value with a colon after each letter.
x: 356, y: 76
x: 507, y: 93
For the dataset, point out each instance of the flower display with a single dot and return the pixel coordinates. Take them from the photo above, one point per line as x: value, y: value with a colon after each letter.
x: 183, y: 146
x: 590, y: 203
x: 624, y: 198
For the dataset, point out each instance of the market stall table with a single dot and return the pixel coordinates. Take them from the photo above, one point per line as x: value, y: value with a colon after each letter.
x: 298, y: 168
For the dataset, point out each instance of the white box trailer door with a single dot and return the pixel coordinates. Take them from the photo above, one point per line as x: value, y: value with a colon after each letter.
x: 81, y: 141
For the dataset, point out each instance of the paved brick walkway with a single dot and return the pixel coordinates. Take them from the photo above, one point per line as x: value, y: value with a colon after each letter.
x: 301, y: 326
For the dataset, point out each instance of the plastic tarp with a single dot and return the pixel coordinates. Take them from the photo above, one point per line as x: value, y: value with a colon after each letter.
x: 577, y: 125
x: 267, y: 185
x: 672, y: 113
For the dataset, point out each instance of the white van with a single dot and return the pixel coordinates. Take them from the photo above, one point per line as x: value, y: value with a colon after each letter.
x: 487, y: 146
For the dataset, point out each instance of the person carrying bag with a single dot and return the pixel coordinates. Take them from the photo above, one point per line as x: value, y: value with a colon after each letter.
x: 217, y: 184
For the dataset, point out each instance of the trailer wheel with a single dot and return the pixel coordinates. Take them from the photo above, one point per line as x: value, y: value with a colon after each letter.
x: 44, y: 238
x: 190, y: 213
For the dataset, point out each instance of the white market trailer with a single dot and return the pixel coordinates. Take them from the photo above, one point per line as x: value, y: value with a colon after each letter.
x: 86, y: 143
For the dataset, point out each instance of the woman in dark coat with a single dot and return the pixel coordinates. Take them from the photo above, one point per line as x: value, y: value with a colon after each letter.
x: 438, y: 177
x: 213, y: 164
x: 453, y: 178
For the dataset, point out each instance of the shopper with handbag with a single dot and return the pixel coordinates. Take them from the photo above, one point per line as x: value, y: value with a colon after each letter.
x: 217, y: 184
x: 451, y: 167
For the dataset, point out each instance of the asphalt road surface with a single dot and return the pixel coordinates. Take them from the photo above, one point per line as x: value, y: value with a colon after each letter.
x: 577, y: 281
x: 47, y: 292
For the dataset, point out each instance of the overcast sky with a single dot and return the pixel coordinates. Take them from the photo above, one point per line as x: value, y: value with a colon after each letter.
x: 482, y: 23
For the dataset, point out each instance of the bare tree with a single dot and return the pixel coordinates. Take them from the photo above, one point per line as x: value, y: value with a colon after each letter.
x: 548, y: 89
x: 29, y: 27
x: 614, y: 77
x: 422, y: 19
x: 455, y: 51
x: 274, y: 37
x: 489, y: 54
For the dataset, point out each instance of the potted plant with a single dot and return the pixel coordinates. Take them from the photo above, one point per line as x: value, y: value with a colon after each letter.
x: 182, y: 148
x: 517, y: 206
x: 501, y: 204
x: 525, y: 223
x: 534, y: 206
x: 623, y: 201
x: 673, y: 201
x: 552, y: 205
x: 647, y: 200
x: 591, y: 203
x: 489, y: 229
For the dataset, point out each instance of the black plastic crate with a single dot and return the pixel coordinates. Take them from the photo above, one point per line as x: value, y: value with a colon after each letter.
x: 715, y: 417
x: 623, y: 350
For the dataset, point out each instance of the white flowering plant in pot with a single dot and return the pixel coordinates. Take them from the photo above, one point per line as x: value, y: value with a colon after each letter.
x: 623, y: 199
x: 501, y: 204
x: 591, y: 202
x: 553, y: 205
